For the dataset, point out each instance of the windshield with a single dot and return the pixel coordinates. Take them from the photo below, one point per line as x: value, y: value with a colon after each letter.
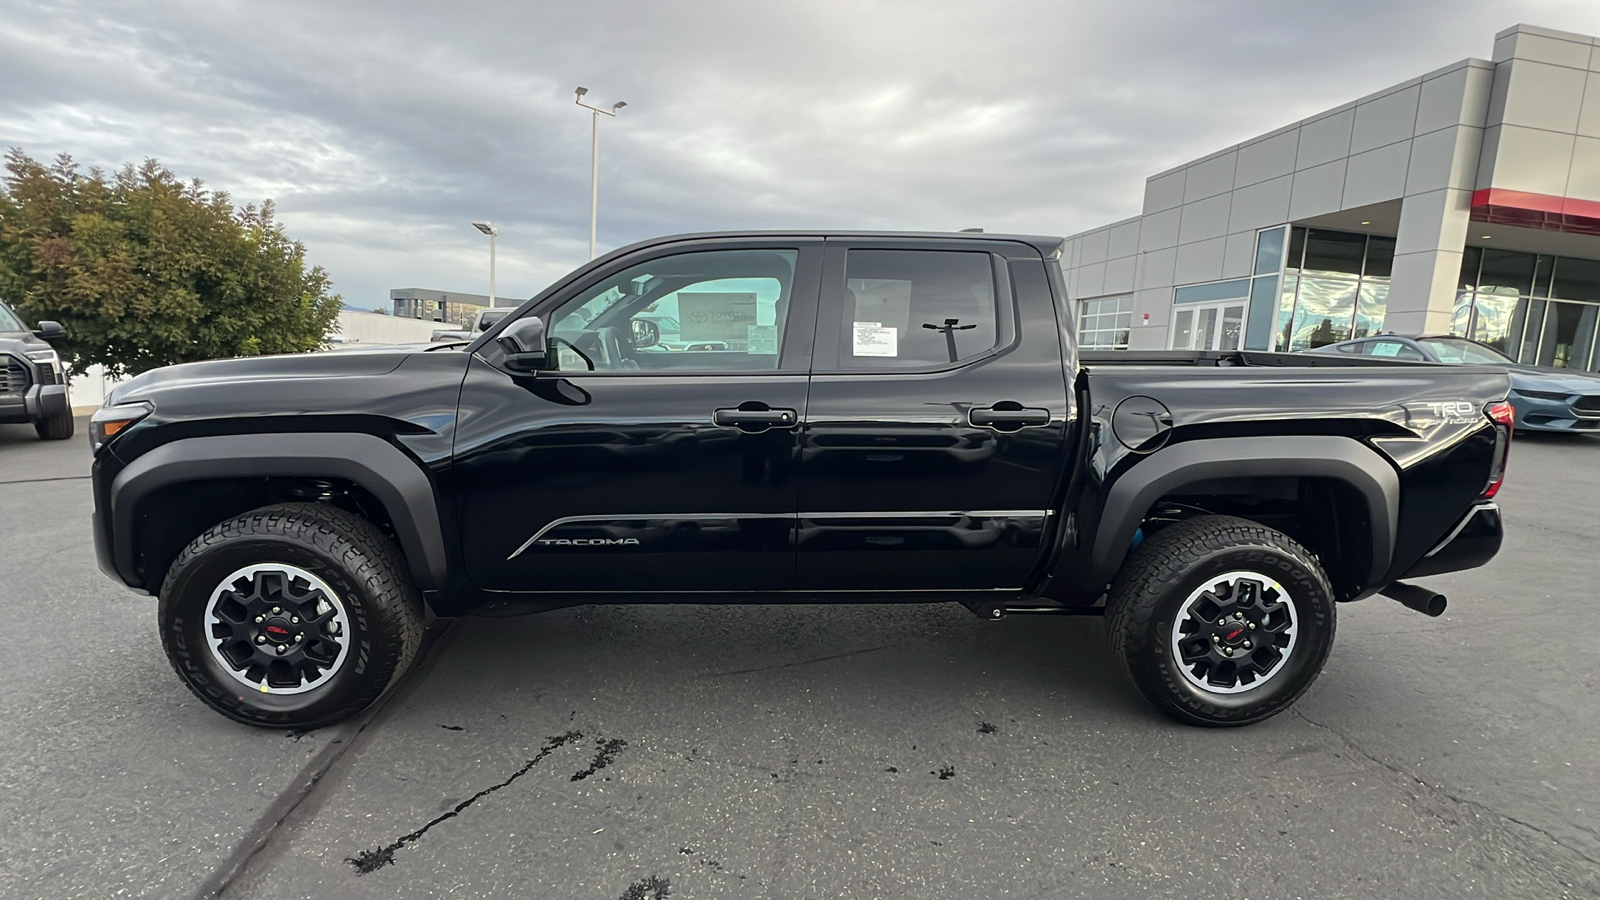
x: 9, y: 320
x: 1461, y: 350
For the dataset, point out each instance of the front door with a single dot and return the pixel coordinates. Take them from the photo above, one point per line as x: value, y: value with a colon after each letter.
x: 1208, y: 326
x: 660, y: 455
x: 936, y: 425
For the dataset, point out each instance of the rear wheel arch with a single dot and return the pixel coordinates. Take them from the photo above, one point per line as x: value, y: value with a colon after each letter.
x: 169, y: 495
x: 1352, y: 476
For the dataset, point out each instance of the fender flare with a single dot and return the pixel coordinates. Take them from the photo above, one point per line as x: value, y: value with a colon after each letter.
x: 395, y: 479
x: 1317, y: 456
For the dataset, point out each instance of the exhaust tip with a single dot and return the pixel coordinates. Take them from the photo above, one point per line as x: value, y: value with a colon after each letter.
x: 1429, y: 603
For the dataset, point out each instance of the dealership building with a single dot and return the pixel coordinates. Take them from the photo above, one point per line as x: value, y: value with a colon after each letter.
x: 1463, y: 201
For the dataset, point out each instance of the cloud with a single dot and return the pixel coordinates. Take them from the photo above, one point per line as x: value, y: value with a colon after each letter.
x: 382, y: 129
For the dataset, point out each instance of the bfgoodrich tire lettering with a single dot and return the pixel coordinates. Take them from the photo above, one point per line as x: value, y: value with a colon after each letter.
x: 378, y: 627
x: 1187, y: 578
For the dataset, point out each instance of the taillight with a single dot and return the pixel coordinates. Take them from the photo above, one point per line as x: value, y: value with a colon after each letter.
x: 1504, y: 416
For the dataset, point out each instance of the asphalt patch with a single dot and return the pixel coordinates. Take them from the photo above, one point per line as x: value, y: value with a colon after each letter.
x: 651, y: 888
x: 986, y: 728
x: 604, y: 756
x: 372, y: 860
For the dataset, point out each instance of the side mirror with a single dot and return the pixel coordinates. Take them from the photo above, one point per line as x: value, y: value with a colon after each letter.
x: 525, y: 346
x: 646, y: 333
x: 49, y: 330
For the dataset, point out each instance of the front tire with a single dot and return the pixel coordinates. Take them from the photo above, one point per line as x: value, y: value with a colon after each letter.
x: 291, y: 616
x: 1221, y: 621
x: 55, y: 428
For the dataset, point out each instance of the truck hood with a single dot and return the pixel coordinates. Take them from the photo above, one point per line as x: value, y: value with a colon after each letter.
x: 241, y: 372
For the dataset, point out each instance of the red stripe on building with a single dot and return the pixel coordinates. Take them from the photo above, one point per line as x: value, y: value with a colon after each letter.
x: 1539, y: 211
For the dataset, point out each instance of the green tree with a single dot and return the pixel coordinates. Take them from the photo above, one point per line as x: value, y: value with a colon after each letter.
x: 145, y: 270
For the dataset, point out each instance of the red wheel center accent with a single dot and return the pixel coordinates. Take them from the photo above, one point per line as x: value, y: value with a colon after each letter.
x: 277, y: 629
x: 1235, y: 634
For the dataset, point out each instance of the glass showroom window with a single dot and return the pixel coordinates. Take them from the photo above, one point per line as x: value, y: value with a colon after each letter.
x: 1335, y: 287
x: 1103, y: 323
x: 1539, y: 310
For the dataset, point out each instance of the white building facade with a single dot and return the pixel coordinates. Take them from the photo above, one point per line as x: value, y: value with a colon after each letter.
x: 1464, y: 201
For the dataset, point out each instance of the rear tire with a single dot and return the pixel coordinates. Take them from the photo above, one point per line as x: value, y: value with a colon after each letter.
x: 291, y: 616
x: 1221, y: 621
x: 56, y: 428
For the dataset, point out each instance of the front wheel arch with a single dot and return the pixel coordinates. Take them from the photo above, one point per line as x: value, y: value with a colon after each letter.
x: 398, y: 483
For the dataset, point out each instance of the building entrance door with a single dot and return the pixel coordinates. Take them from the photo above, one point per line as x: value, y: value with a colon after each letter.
x: 1208, y: 326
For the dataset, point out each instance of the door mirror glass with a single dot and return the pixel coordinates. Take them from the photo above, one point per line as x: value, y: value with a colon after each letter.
x: 524, y: 344
x: 646, y: 333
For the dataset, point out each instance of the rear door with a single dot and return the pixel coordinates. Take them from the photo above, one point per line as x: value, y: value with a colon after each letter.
x: 651, y: 460
x: 937, y: 418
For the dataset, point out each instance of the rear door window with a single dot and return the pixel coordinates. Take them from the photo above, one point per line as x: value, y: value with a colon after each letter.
x: 915, y: 309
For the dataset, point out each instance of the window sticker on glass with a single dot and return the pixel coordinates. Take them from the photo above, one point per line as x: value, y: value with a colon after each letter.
x: 874, y: 339
x: 1385, y: 348
x: 762, y: 340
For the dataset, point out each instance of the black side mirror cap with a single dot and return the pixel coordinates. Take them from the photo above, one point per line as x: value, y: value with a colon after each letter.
x: 49, y: 330
x: 525, y: 346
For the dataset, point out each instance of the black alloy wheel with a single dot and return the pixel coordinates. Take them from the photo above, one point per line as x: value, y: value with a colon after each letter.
x: 1221, y: 621
x: 297, y: 615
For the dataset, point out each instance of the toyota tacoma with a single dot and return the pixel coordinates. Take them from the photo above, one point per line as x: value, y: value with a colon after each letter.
x: 842, y: 417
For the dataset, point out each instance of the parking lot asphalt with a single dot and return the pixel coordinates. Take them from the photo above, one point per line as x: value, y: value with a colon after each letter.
x: 790, y: 751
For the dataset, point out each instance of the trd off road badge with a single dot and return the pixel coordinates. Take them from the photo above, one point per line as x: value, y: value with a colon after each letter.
x: 1443, y: 412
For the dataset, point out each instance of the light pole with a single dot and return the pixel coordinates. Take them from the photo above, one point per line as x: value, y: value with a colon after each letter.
x: 594, y: 161
x: 493, y: 233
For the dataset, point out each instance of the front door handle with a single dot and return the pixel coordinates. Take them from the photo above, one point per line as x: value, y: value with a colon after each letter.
x: 755, y: 417
x: 1007, y: 416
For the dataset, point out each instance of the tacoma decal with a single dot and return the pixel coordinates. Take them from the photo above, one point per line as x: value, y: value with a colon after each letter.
x: 589, y: 542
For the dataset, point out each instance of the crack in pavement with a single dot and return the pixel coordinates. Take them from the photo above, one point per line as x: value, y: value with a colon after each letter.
x: 372, y: 860
x: 1438, y: 789
x: 803, y: 662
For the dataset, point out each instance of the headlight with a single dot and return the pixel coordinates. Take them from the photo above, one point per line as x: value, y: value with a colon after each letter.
x: 1543, y: 395
x: 110, y: 421
x: 48, y: 358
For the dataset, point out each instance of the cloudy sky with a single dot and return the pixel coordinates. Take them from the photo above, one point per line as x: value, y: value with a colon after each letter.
x: 382, y: 129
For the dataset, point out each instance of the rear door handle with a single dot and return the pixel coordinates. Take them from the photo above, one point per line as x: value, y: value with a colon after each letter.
x: 1007, y: 416
x: 755, y: 418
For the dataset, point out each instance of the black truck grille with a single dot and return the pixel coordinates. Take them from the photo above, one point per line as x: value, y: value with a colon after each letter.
x: 13, y: 375
x: 1587, y: 403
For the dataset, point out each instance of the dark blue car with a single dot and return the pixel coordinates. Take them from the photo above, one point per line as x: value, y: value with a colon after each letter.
x: 1545, y: 399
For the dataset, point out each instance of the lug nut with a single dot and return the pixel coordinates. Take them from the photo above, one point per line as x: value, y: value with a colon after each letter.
x: 299, y: 637
x: 261, y: 639
x: 1227, y: 651
x: 294, y: 620
x: 282, y: 649
x: 276, y: 610
x: 260, y: 619
x: 1252, y: 626
x: 1247, y: 645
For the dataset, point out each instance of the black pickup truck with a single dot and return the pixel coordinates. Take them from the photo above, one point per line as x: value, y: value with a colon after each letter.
x: 841, y: 418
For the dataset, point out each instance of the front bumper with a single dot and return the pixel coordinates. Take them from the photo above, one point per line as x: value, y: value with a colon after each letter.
x: 1541, y: 414
x: 1474, y: 541
x: 41, y: 401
